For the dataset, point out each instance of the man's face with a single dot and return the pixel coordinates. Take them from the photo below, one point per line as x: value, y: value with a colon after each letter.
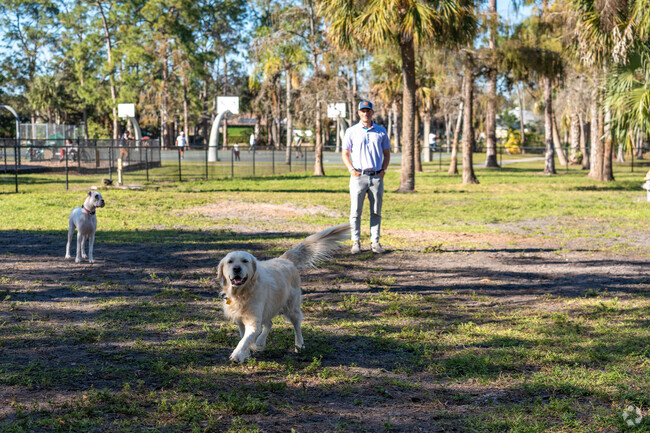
x: 365, y: 114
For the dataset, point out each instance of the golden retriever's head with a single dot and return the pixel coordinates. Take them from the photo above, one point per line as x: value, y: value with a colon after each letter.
x: 236, y: 270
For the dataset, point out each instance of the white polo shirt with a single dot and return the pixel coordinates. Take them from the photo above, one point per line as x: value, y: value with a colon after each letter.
x: 366, y: 146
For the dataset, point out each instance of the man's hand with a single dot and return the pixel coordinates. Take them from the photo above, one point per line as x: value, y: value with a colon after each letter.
x: 382, y: 173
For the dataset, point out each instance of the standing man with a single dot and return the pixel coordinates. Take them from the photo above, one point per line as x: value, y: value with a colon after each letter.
x: 180, y: 143
x: 251, y: 142
x: 366, y: 154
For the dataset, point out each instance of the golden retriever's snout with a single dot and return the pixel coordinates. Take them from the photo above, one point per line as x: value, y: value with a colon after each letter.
x: 237, y: 278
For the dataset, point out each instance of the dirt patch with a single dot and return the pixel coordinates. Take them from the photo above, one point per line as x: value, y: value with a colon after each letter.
x: 161, y: 293
x: 244, y: 217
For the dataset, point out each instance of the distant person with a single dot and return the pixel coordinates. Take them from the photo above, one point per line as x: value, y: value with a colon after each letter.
x: 66, y: 149
x: 123, y: 145
x: 432, y: 142
x: 180, y: 144
x: 252, y: 142
x: 297, y: 143
x: 366, y: 155
x: 235, y: 150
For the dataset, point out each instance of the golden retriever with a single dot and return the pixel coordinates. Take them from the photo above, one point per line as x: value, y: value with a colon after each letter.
x: 257, y: 291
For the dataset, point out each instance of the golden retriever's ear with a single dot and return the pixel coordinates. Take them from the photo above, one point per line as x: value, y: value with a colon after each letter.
x: 220, y: 276
x: 253, y: 277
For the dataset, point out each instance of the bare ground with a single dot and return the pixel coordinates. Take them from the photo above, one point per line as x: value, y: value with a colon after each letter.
x: 515, y: 268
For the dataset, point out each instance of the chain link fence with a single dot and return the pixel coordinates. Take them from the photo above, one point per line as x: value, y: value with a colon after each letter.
x: 141, y: 161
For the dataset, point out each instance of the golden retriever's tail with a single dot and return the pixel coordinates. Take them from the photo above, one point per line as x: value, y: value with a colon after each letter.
x: 319, y: 247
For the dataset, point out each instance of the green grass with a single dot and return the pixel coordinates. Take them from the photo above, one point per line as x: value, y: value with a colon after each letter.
x: 151, y: 355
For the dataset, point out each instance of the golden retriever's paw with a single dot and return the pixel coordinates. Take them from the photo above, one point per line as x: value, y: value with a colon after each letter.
x: 299, y: 349
x: 257, y: 348
x: 239, y: 357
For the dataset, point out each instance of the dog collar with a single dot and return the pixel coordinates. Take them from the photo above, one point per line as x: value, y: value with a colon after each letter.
x: 83, y: 208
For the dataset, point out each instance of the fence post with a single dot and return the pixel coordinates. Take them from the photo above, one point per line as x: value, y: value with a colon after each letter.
x: 207, y: 150
x: 632, y: 152
x: 305, y: 156
x: 440, y: 159
x: 16, y: 164
x: 4, y: 148
x: 66, y: 169
x: 146, y: 162
x: 273, y: 160
x: 253, y: 162
x: 110, y: 161
x: 232, y: 163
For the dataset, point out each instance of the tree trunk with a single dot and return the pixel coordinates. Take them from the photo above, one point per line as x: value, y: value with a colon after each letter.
x: 453, y: 161
x: 417, y: 151
x: 318, y: 148
x: 396, y: 129
x: 426, y: 130
x: 608, y: 172
x: 287, y: 156
x: 596, y: 159
x: 355, y: 91
x: 574, y: 138
x: 584, y: 134
x: 549, y: 163
x: 556, y: 142
x: 522, y: 123
x: 111, y: 79
x: 468, y: 128
x: 389, y: 127
x: 491, y: 109
x: 407, y: 173
x: 639, y: 145
x: 186, y: 115
x: 448, y: 122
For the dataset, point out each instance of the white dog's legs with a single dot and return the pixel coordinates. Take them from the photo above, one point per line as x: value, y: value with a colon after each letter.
x: 242, y: 329
x: 80, y: 241
x: 243, y: 350
x: 70, y: 235
x: 260, y: 343
x: 83, y: 247
x: 91, y: 242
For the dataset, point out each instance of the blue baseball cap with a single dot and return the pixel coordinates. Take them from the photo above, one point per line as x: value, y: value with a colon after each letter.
x: 365, y: 104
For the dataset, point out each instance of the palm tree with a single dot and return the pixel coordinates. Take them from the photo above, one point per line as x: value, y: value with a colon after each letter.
x: 468, y: 128
x: 407, y: 23
x: 387, y: 87
x: 603, y: 34
x: 491, y: 109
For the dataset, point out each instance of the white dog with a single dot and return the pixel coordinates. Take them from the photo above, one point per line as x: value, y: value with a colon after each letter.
x: 84, y: 220
x: 257, y: 291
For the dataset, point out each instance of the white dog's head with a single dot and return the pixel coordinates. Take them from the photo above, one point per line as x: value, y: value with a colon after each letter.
x: 237, y: 270
x: 94, y: 199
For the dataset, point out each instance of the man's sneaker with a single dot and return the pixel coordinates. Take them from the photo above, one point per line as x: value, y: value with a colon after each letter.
x: 356, y: 248
x: 376, y: 248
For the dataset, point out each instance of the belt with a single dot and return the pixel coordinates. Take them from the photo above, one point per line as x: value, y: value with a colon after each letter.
x: 368, y: 172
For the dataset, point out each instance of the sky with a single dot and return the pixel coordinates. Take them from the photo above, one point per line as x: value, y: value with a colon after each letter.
x: 508, y: 13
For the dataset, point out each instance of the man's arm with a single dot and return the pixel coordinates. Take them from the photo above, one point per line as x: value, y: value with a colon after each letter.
x: 345, y: 156
x: 384, y: 165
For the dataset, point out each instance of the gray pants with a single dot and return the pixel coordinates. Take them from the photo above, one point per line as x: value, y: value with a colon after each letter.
x: 359, y: 187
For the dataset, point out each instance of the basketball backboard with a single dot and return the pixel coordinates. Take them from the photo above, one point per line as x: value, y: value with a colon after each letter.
x: 125, y: 110
x: 228, y: 103
x: 336, y: 110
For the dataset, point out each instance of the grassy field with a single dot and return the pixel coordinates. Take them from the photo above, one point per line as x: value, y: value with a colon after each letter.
x: 517, y: 305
